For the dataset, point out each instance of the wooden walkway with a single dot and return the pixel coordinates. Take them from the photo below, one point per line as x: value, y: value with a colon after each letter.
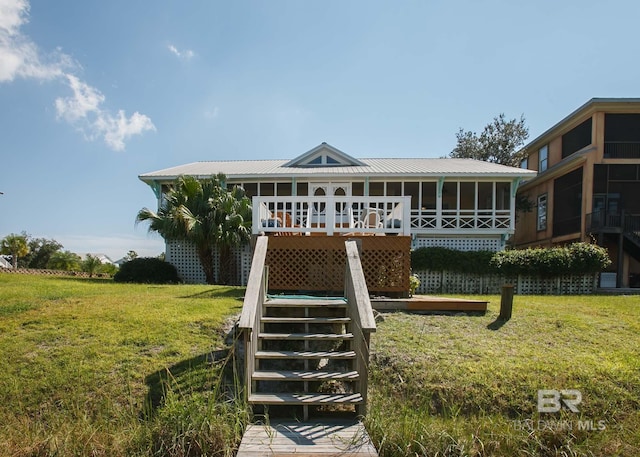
x: 428, y: 303
x: 321, y: 438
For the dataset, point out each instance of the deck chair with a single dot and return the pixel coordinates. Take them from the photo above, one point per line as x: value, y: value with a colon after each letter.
x: 371, y: 219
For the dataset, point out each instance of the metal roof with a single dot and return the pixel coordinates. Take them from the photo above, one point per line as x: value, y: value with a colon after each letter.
x: 376, y: 167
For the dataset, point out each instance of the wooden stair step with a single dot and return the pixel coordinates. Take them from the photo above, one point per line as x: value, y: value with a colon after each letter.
x: 304, y: 399
x: 307, y: 375
x: 305, y: 303
x: 306, y: 336
x: 305, y: 355
x: 305, y: 320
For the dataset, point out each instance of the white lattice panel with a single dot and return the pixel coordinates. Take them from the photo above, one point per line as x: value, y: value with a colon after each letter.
x: 183, y: 256
x: 462, y: 243
x: 435, y: 282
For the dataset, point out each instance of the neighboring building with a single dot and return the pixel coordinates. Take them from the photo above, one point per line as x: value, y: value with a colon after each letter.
x: 5, y: 262
x: 588, y: 185
x: 457, y: 203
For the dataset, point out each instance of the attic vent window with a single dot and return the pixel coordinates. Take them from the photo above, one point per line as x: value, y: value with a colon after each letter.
x: 325, y: 160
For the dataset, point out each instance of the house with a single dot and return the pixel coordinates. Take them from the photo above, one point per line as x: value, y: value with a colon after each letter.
x: 587, y: 185
x: 456, y: 203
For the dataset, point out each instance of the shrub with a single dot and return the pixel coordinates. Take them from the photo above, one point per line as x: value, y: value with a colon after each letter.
x: 443, y: 259
x: 577, y: 258
x: 147, y: 270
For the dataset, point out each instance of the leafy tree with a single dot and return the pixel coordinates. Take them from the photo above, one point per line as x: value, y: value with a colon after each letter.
x: 499, y: 142
x: 65, y: 261
x: 16, y: 246
x: 91, y: 264
x: 130, y: 256
x: 40, y: 251
x: 207, y: 214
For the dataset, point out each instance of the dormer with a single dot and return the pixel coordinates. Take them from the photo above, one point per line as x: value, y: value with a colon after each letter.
x: 324, y: 155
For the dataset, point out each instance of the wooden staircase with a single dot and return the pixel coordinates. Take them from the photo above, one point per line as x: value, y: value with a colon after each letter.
x: 307, y: 352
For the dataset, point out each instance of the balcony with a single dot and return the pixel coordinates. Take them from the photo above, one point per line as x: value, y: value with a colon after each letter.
x: 613, y: 222
x: 332, y: 215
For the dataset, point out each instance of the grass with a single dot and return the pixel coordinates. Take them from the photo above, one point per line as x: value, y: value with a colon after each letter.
x: 91, y: 367
x: 467, y: 385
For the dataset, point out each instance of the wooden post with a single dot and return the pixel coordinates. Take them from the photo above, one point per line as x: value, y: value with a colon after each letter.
x: 506, y: 302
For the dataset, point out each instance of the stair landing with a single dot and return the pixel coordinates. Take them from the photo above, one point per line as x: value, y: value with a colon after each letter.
x: 321, y: 438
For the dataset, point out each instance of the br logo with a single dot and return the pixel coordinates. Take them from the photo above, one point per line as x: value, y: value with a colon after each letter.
x: 551, y: 401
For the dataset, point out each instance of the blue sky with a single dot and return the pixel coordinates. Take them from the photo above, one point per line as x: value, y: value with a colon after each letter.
x: 94, y: 93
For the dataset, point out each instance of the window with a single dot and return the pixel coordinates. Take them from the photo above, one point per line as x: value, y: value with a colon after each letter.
x: 524, y: 163
x: 542, y: 212
x: 543, y: 158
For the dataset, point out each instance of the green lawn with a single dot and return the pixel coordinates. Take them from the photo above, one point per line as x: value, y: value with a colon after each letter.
x: 467, y: 385
x: 91, y: 367
x: 84, y: 368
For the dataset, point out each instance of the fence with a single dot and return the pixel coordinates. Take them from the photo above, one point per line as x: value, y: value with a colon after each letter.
x: 446, y: 282
x: 35, y: 271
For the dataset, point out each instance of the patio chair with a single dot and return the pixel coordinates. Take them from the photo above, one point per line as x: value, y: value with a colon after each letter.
x: 371, y: 220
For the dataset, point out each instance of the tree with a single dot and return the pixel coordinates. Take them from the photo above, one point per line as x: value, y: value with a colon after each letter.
x: 91, y: 264
x: 65, y: 261
x: 16, y: 246
x: 40, y: 251
x: 499, y: 142
x: 130, y: 256
x: 206, y: 214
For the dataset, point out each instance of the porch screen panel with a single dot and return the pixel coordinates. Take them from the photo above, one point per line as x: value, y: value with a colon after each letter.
x: 567, y: 203
x: 302, y: 188
x: 394, y: 189
x: 250, y: 189
x: 429, y: 196
x: 357, y: 189
x: 503, y: 195
x: 450, y: 195
x: 284, y: 189
x: 376, y: 189
x: 267, y: 189
x: 485, y: 195
x: 413, y: 190
x: 467, y: 195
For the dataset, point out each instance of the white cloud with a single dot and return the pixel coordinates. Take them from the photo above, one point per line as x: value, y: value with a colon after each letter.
x: 21, y: 58
x: 83, y: 110
x: 186, y: 54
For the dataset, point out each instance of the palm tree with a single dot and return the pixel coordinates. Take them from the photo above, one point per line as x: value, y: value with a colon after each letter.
x: 16, y: 246
x: 206, y: 214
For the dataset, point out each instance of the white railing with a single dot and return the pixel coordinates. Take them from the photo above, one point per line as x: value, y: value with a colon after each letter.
x: 332, y: 215
x: 376, y: 215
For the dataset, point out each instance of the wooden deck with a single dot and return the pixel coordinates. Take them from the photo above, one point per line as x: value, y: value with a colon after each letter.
x: 321, y: 438
x: 428, y: 303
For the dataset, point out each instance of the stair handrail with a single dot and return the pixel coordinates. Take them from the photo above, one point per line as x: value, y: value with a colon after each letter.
x: 254, y: 297
x: 362, y: 318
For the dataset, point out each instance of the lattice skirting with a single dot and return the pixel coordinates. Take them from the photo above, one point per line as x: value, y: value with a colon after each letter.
x: 317, y: 263
x: 446, y: 282
x: 183, y: 256
x: 461, y: 243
